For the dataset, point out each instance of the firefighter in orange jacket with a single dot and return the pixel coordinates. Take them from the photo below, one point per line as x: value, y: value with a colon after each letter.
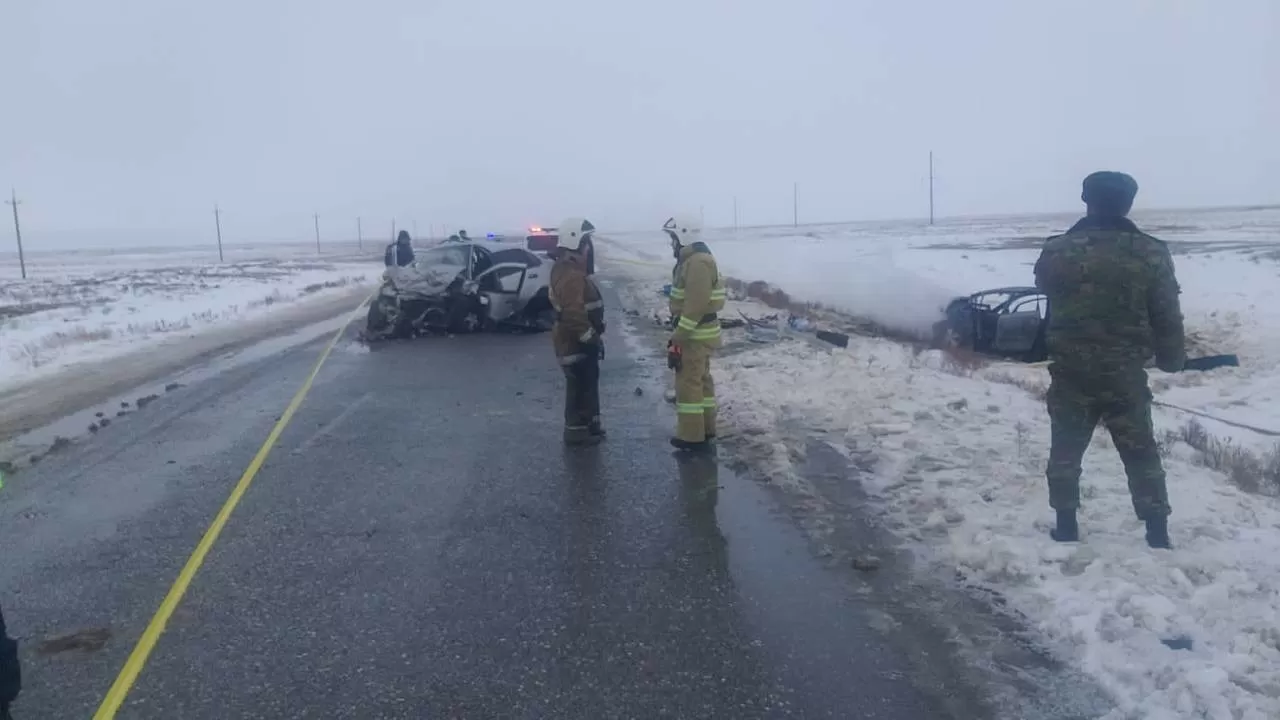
x: 697, y: 297
x: 579, y: 329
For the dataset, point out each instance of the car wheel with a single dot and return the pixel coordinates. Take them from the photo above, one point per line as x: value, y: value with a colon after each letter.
x: 376, y: 322
x: 546, y: 319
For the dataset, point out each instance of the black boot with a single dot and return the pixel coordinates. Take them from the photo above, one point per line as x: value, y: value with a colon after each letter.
x: 1067, y: 530
x: 1158, y: 533
x: 689, y: 446
x: 580, y: 436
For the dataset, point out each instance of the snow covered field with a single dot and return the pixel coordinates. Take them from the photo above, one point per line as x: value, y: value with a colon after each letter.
x: 83, y: 307
x: 957, y: 448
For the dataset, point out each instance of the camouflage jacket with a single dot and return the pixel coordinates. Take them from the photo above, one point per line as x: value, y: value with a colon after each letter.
x: 1113, y: 298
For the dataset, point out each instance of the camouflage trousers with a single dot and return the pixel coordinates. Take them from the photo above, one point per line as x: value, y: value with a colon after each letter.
x: 10, y: 673
x: 1122, y: 402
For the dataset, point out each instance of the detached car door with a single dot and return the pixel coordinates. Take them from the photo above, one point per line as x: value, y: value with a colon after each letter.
x: 1019, y: 326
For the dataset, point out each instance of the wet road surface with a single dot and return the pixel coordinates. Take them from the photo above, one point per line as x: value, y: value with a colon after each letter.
x: 420, y: 545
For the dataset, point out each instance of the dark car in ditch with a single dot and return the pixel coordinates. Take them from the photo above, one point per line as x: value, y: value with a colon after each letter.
x: 1006, y: 322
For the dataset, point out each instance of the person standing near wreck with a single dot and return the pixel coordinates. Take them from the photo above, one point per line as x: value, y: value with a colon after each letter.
x: 1113, y: 302
x: 578, y: 333
x: 697, y: 297
x: 10, y: 672
x: 400, y: 252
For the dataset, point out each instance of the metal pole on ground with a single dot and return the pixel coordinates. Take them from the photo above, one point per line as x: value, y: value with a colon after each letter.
x: 17, y: 231
x: 317, y: 219
x: 217, y: 223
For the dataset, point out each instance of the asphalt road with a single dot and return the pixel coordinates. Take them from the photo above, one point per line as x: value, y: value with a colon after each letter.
x: 420, y: 545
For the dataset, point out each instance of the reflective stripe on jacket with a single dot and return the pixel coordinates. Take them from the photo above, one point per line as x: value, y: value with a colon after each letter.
x: 697, y: 295
x: 579, y: 308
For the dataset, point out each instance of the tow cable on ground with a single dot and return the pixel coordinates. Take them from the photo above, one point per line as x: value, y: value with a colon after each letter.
x: 1232, y: 423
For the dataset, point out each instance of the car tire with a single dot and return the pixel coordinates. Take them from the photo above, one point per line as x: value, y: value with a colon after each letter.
x: 539, y: 315
x: 376, y: 322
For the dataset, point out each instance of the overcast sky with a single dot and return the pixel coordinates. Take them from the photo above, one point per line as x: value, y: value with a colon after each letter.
x: 140, y: 114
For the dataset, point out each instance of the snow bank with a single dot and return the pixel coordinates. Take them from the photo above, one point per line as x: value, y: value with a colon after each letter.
x: 959, y: 462
x: 90, y: 312
x: 958, y: 450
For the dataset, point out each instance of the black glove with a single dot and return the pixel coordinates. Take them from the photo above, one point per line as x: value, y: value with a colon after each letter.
x: 601, y: 348
x: 674, y: 358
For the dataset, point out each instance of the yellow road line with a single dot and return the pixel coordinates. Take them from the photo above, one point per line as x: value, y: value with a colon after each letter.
x: 146, y: 644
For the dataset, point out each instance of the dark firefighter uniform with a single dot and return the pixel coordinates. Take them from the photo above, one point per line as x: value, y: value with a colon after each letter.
x: 697, y: 297
x: 578, y: 343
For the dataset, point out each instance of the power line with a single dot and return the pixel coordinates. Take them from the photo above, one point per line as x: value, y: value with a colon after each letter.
x: 17, y: 230
x: 217, y: 223
x: 930, y: 187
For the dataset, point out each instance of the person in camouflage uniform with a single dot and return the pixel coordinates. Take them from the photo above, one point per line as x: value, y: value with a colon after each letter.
x: 10, y: 672
x: 1113, y: 303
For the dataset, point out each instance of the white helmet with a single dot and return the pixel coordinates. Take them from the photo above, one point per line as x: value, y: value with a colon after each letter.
x: 682, y: 229
x: 573, y: 231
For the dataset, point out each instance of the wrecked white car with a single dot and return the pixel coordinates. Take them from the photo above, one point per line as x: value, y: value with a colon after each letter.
x: 460, y: 288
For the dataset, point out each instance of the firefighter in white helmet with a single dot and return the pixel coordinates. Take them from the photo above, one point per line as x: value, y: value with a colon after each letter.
x: 697, y: 297
x: 579, y: 329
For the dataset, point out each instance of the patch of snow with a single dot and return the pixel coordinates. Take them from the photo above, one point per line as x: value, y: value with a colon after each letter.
x: 958, y: 451
x: 959, y: 465
x: 89, y: 313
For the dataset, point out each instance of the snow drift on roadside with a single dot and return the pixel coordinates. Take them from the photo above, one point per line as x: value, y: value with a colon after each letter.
x: 959, y: 464
x: 52, y: 322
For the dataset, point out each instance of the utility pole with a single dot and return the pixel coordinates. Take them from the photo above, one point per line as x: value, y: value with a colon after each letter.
x: 795, y: 204
x: 317, y: 219
x: 930, y: 187
x: 17, y: 231
x: 359, y: 235
x: 735, y: 213
x: 702, y: 216
x: 217, y: 223
x: 393, y: 229
x: 415, y: 228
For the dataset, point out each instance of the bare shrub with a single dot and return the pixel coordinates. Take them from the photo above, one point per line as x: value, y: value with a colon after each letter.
x: 328, y: 285
x: 74, y: 336
x: 1250, y: 471
x: 275, y: 297
x: 1035, y: 389
x: 962, y: 362
x: 1166, y: 441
